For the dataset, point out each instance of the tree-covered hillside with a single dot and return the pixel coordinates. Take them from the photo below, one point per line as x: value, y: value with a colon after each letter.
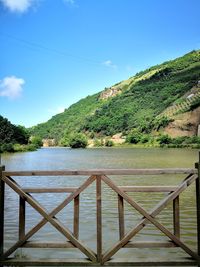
x: 135, y: 102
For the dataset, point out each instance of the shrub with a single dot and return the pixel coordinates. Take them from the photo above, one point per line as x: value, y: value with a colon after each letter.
x: 164, y: 139
x: 178, y: 140
x: 145, y: 138
x: 36, y: 141
x: 98, y: 143
x: 9, y: 147
x: 24, y: 148
x: 64, y: 141
x: 109, y: 143
x: 133, y: 137
x: 161, y: 122
x: 78, y: 140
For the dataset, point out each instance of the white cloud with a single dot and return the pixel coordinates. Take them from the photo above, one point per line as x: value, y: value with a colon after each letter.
x: 108, y: 63
x: 11, y: 87
x: 18, y: 6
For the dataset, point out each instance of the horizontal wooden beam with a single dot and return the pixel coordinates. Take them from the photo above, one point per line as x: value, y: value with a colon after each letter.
x: 159, y: 262
x: 149, y: 244
x: 86, y: 262
x: 148, y: 188
x: 46, y: 262
x: 34, y: 244
x: 50, y: 190
x: 102, y: 172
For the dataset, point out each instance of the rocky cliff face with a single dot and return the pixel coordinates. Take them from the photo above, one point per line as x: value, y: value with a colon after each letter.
x: 185, y: 124
x: 110, y: 92
x: 49, y: 142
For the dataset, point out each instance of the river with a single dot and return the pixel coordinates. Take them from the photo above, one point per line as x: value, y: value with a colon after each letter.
x: 65, y: 158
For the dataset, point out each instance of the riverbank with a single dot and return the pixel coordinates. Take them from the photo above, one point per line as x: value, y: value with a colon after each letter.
x: 17, y: 148
x: 139, y: 140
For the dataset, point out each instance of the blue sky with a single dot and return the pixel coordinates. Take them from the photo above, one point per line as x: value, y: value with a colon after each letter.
x: 55, y: 52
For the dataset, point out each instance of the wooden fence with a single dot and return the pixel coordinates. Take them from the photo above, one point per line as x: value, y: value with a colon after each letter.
x: 126, y: 239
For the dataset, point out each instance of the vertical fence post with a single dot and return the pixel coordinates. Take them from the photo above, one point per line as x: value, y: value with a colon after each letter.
x: 121, y: 217
x: 22, y: 211
x: 76, y: 216
x: 197, y: 165
x: 99, y: 219
x: 2, y: 193
x: 176, y: 217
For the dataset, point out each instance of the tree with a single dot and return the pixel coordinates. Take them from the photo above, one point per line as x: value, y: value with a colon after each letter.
x: 133, y: 137
x: 78, y: 140
x: 36, y: 141
x: 164, y: 139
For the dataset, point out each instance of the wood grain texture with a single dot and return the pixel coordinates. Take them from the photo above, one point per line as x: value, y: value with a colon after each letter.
x: 103, y: 172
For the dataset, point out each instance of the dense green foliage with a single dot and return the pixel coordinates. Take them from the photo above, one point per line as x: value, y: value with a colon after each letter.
x: 162, y: 140
x: 182, y: 141
x: 36, y: 141
x: 15, y: 138
x: 142, y: 98
x: 78, y: 140
x: 138, y: 106
x: 10, y: 133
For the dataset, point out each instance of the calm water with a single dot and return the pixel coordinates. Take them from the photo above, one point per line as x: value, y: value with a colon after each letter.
x: 64, y: 158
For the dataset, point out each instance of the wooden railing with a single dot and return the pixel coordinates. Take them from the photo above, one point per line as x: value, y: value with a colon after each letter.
x: 99, y: 257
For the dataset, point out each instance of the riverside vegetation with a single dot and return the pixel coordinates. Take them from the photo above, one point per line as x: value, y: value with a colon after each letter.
x: 139, y: 108
x: 16, y: 138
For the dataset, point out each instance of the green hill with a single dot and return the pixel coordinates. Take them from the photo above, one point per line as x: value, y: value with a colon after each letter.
x: 139, y: 102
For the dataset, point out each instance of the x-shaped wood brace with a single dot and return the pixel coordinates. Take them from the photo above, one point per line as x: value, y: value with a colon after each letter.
x: 149, y: 217
x: 50, y: 217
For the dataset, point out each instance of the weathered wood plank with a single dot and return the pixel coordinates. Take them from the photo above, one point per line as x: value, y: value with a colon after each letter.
x: 121, y: 216
x: 103, y: 172
x: 158, y: 262
x: 85, y: 262
x: 176, y: 217
x: 47, y: 262
x: 50, y: 190
x: 76, y: 216
x: 150, y: 244
x: 148, y: 188
x: 99, y: 218
x: 35, y: 244
x: 22, y: 216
